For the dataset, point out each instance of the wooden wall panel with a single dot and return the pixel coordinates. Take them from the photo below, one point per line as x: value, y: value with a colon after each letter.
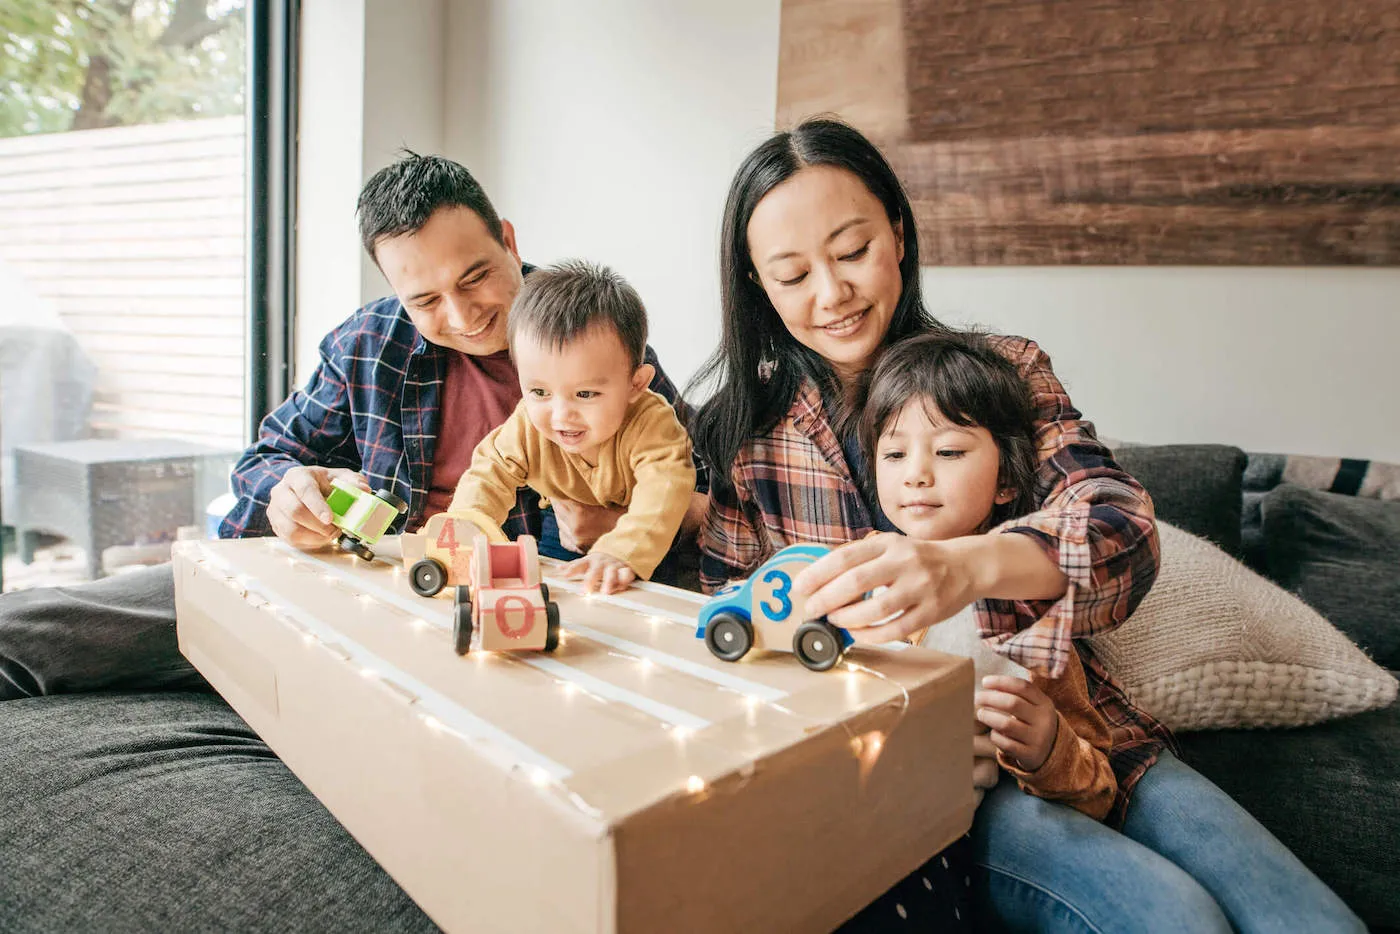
x: 1260, y: 132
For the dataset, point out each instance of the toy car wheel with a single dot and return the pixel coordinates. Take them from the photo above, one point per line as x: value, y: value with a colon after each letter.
x: 357, y: 548
x: 462, y: 621
x: 399, y: 505
x: 729, y: 636
x: 427, y: 577
x: 544, y: 591
x: 817, y: 645
x: 551, y: 633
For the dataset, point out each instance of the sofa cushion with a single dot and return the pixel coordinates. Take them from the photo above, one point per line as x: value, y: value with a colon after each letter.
x: 1216, y: 645
x: 1196, y: 487
x: 1331, y: 793
x: 1341, y: 555
x: 165, y: 812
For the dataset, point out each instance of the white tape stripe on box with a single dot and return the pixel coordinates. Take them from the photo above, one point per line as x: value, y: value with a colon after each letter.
x: 498, y: 745
x: 577, y: 588
x: 732, y: 682
x: 664, y: 712
x: 665, y: 590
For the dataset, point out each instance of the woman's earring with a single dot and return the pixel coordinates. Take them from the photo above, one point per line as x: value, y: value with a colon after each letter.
x: 1005, y: 495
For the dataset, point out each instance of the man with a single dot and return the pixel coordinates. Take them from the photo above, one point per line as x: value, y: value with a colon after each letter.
x: 405, y: 389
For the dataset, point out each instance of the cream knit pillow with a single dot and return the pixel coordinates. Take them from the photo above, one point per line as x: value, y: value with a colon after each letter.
x: 1216, y: 645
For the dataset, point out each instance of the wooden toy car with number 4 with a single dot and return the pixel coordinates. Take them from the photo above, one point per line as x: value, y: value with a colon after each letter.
x: 762, y: 613
x: 505, y: 604
x: 439, y: 555
x: 362, y: 517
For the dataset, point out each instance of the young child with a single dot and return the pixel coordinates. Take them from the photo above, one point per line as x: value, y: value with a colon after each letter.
x: 947, y: 426
x: 587, y: 428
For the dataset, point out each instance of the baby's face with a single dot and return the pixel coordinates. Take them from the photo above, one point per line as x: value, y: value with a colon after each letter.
x: 936, y: 480
x: 577, y: 395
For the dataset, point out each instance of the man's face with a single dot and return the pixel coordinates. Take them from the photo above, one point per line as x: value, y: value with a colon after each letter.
x: 456, y: 281
x: 577, y: 395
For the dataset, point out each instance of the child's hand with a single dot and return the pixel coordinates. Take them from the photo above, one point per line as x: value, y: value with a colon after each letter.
x: 600, y: 572
x: 1023, y: 720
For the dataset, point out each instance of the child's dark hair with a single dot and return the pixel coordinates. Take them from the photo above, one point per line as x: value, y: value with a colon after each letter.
x: 559, y: 303
x: 399, y: 198
x: 971, y: 385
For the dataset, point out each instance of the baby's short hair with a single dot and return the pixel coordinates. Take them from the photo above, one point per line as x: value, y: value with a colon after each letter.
x: 557, y: 304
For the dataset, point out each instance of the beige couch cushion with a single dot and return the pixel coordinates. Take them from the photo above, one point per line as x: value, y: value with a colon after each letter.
x: 1215, y: 645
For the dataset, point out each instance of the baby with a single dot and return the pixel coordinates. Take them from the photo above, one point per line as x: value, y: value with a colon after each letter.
x: 587, y: 428
x: 948, y: 426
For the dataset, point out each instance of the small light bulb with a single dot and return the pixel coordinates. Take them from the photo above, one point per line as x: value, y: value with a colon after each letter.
x: 646, y: 664
x: 420, y: 623
x: 540, y: 777
x: 433, y: 723
x: 695, y: 784
x: 368, y: 673
x: 681, y: 732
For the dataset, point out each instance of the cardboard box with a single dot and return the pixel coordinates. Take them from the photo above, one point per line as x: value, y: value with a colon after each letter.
x: 627, y: 782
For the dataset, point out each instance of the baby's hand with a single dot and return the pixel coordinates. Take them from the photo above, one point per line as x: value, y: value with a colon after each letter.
x: 1022, y: 719
x: 600, y: 572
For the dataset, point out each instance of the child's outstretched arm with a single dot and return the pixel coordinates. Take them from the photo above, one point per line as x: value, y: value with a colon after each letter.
x: 1040, y: 747
x: 500, y: 464
x: 663, y: 480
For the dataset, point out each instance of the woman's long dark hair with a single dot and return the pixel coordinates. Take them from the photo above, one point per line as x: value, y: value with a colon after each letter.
x: 758, y: 366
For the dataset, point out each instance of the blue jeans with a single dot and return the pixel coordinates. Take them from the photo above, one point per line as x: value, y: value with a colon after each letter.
x: 1189, y: 859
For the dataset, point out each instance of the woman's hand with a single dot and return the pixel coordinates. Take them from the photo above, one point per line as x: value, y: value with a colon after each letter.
x: 1022, y: 719
x: 600, y: 572
x: 296, y: 507
x: 926, y: 582
x: 581, y: 526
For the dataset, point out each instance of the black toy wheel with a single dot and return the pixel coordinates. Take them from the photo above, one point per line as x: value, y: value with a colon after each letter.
x: 729, y: 637
x: 462, y: 621
x: 427, y: 577
x: 399, y: 505
x: 817, y: 645
x: 544, y: 591
x: 551, y: 636
x: 355, y: 547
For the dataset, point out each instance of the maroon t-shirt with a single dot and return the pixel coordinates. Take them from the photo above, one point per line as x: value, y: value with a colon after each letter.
x: 478, y: 395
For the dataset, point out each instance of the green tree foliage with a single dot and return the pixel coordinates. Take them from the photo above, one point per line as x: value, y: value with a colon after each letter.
x: 80, y: 64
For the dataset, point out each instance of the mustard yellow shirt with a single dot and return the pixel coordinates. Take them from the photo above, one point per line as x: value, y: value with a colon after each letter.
x: 645, y: 468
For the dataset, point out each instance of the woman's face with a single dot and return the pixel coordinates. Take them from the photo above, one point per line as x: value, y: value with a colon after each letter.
x: 828, y: 258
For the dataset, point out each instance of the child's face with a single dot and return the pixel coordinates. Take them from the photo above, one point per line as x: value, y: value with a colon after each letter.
x: 577, y: 395
x: 936, y: 480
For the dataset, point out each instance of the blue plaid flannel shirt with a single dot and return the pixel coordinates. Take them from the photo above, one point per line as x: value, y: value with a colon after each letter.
x: 373, y: 405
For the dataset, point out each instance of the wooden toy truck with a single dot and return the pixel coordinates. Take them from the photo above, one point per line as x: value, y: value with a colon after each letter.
x: 361, y: 516
x: 505, y: 603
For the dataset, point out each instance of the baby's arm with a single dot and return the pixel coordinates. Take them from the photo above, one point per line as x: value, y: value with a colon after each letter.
x: 500, y: 464
x: 664, y: 479
x: 1040, y: 747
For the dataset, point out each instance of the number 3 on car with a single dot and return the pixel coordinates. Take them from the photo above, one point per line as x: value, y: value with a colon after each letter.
x: 762, y: 613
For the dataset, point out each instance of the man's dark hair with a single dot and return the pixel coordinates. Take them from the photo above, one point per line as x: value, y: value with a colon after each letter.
x: 559, y: 303
x: 399, y: 198
x: 970, y: 385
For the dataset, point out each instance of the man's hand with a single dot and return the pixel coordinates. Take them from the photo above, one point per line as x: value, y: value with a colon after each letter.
x: 1022, y: 719
x: 600, y: 573
x: 581, y: 526
x: 297, y: 508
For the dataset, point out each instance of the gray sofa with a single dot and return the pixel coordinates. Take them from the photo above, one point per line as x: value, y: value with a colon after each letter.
x: 1331, y: 792
x: 134, y: 812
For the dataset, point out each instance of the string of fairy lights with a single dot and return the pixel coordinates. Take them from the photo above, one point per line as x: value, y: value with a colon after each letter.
x: 444, y: 716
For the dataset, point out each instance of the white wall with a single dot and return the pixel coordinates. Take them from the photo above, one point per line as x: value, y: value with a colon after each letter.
x: 372, y: 81
x: 1288, y: 360
x: 609, y: 129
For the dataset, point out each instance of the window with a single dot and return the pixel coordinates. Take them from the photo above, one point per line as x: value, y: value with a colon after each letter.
x: 123, y: 307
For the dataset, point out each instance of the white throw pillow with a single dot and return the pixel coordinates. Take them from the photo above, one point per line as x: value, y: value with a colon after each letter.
x: 1215, y: 645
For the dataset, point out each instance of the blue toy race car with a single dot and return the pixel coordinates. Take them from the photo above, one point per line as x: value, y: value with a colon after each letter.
x: 760, y: 613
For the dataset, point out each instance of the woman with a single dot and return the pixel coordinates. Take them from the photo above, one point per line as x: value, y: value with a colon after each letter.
x: 820, y: 269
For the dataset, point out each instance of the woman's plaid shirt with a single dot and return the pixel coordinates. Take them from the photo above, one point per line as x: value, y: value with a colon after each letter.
x: 793, y: 485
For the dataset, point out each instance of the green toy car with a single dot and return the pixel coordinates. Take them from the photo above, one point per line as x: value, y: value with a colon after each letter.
x: 362, y: 517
